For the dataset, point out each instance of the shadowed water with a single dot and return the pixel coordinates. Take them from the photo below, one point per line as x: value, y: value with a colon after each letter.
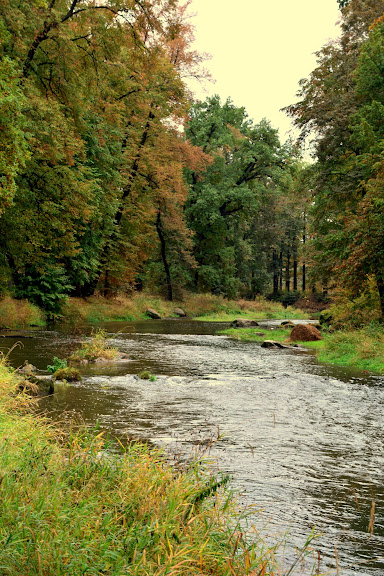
x: 302, y: 442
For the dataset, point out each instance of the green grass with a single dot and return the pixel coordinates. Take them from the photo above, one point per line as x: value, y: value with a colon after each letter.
x: 70, y: 506
x: 362, y: 349
x: 270, y: 311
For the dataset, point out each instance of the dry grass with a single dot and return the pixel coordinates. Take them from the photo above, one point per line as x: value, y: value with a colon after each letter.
x: 16, y: 314
x: 205, y: 306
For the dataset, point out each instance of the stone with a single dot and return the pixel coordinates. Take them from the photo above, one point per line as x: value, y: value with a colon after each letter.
x: 101, y: 360
x: 180, y: 312
x: 27, y: 368
x: 153, y: 314
x: 243, y: 323
x: 287, y: 324
x: 273, y: 344
x: 305, y: 333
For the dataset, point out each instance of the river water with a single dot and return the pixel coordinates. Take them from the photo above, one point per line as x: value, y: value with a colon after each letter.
x: 302, y: 442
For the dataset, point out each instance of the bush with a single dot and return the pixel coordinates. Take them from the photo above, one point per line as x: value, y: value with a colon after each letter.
x: 58, y: 364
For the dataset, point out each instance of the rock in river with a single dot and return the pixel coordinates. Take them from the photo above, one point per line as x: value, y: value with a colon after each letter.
x: 243, y: 323
x: 305, y: 333
x: 273, y: 344
x: 153, y: 314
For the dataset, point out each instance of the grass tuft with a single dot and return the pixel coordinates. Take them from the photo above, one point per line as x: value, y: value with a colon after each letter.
x: 96, y: 347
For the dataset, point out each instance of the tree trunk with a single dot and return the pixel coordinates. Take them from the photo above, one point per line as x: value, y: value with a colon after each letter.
x: 275, y: 273
x: 295, y: 268
x: 160, y: 233
x: 281, y: 272
x: 380, y: 287
x: 288, y: 273
x: 304, y: 277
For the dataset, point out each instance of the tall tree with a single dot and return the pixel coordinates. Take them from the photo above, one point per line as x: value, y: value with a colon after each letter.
x: 332, y: 109
x: 225, y: 202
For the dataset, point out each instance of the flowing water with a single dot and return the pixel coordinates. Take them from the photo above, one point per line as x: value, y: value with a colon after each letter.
x: 302, y: 442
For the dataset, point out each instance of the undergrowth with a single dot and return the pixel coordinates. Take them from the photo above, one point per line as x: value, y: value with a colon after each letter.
x: 19, y: 314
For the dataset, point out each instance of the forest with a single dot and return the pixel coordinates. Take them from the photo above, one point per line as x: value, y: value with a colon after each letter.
x: 113, y: 178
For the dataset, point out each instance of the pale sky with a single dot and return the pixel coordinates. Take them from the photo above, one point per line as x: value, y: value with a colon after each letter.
x: 261, y: 49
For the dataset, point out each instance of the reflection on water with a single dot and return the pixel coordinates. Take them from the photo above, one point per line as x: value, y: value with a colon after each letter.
x: 304, y: 442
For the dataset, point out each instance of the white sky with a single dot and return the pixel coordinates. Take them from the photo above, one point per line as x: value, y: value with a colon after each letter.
x: 261, y: 49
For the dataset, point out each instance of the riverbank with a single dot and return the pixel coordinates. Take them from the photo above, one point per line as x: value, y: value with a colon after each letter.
x: 69, y: 505
x: 359, y: 348
x: 19, y: 314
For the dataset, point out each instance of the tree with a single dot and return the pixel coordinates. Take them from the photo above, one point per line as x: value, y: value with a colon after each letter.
x: 95, y: 91
x: 345, y: 121
x: 224, y: 203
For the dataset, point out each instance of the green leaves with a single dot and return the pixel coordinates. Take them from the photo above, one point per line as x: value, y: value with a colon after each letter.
x: 14, y: 149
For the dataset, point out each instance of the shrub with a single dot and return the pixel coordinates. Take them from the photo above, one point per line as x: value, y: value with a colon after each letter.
x: 58, y: 364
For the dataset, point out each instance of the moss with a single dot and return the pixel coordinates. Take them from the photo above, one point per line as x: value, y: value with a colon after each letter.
x: 69, y: 373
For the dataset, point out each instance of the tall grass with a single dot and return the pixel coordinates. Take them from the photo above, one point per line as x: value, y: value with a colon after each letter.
x: 74, y: 507
x: 16, y: 314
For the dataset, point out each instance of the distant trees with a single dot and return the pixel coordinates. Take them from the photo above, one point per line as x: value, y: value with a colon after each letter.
x: 244, y: 231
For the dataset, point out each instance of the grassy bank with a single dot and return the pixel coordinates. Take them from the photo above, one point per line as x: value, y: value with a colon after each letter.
x: 200, y: 306
x: 70, y: 506
x: 362, y: 349
x: 16, y: 314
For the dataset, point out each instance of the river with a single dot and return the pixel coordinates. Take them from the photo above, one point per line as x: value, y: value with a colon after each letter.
x: 302, y: 442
